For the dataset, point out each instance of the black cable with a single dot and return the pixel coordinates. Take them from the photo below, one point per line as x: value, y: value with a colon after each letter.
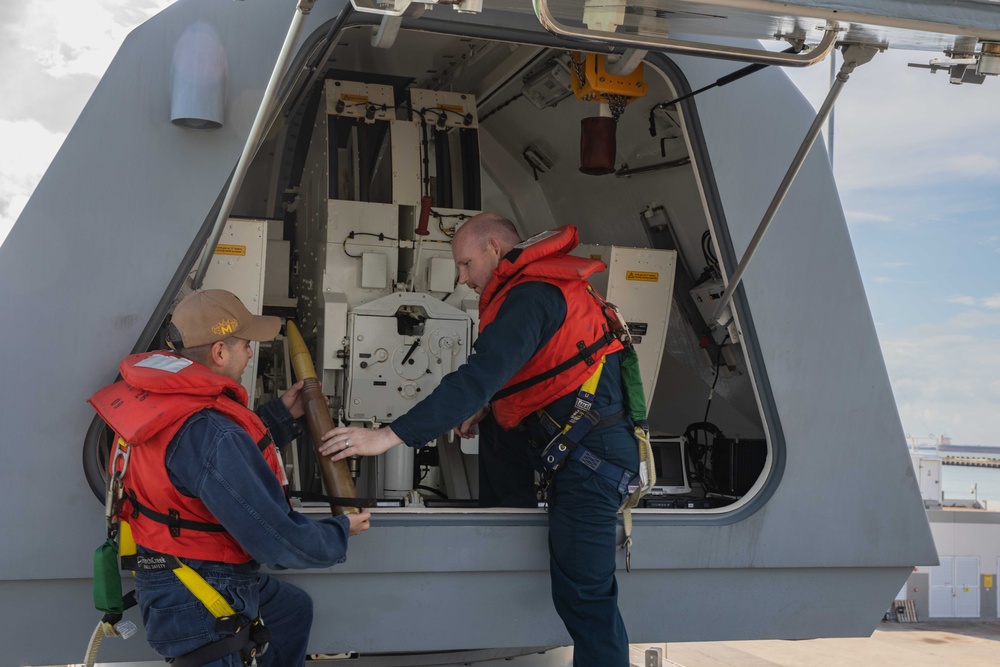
x: 421, y: 487
x: 708, y: 251
x: 718, y: 360
x: 351, y: 235
x: 440, y: 217
x: 722, y: 81
x: 441, y: 111
x: 501, y: 106
x: 698, y: 453
x: 425, y: 146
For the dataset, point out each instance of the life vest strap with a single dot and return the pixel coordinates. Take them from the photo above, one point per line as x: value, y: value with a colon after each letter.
x: 586, y: 354
x: 173, y: 519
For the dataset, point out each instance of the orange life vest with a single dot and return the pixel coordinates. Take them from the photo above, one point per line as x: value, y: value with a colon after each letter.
x: 159, y: 392
x: 563, y: 364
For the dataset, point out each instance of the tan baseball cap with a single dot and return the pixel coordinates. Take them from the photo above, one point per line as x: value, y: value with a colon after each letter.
x: 212, y: 315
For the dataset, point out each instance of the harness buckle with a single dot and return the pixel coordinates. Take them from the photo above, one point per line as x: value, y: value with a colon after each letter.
x: 116, y: 486
x: 554, y: 454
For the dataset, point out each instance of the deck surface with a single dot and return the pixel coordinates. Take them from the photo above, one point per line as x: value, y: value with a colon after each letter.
x: 924, y: 644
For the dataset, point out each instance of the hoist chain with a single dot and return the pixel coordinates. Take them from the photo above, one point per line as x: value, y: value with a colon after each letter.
x: 617, y: 104
x: 578, y: 68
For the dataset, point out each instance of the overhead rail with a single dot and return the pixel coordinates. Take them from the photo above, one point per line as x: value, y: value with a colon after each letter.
x: 653, y: 42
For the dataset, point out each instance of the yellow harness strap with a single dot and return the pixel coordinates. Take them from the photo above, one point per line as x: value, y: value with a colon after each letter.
x: 590, y: 386
x: 201, y: 589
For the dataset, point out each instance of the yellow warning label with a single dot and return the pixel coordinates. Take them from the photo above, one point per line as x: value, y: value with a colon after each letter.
x: 452, y: 107
x: 234, y: 250
x: 348, y: 97
x: 597, y: 257
x: 988, y: 581
x: 644, y: 276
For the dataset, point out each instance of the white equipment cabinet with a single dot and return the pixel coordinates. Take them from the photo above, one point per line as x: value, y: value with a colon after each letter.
x: 237, y: 266
x: 640, y: 281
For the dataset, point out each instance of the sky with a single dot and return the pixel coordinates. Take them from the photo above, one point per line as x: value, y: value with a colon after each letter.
x: 917, y: 161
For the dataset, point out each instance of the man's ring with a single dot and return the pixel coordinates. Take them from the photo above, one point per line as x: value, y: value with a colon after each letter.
x: 347, y: 443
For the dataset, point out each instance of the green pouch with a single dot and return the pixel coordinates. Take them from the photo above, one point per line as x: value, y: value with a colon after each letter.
x: 635, y: 397
x: 107, y: 579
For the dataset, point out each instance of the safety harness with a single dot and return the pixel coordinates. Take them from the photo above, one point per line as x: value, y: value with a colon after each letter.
x: 248, y: 637
x: 561, y: 442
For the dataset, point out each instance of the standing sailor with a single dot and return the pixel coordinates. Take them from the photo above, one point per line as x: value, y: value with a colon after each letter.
x: 543, y: 346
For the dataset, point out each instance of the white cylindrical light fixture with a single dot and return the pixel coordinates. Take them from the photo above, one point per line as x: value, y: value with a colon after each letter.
x: 198, y: 80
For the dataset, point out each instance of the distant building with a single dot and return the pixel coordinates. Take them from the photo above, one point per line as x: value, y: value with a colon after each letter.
x: 967, y: 538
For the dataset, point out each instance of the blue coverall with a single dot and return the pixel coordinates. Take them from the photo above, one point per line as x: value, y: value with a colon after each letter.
x: 582, y: 506
x: 215, y: 460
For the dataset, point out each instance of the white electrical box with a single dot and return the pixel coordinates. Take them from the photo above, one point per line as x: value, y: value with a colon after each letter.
x: 640, y: 281
x: 706, y: 297
x: 374, y: 270
x: 441, y: 276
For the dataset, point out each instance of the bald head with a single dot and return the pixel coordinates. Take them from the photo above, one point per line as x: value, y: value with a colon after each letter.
x: 478, y: 246
x: 486, y: 226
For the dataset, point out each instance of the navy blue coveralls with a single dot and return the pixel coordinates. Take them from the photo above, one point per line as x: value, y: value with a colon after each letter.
x: 582, y: 506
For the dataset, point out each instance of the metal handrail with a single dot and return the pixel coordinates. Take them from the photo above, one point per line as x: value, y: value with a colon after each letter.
x: 761, y: 56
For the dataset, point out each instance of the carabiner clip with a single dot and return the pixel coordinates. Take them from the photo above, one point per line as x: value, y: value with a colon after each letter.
x: 121, y: 454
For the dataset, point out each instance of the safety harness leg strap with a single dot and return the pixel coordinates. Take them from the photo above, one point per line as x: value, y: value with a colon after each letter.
x: 247, y: 640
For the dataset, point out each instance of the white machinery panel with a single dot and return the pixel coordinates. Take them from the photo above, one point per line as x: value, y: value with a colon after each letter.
x: 277, y: 267
x: 640, y: 281
x: 406, y: 163
x: 360, y: 100
x: 432, y: 253
x: 355, y: 229
x: 444, y: 109
x: 236, y: 266
x: 400, y: 348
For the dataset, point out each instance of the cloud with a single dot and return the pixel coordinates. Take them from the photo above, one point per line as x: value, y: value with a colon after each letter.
x: 860, y: 217
x: 991, y: 302
x: 897, y: 126
x: 67, y: 37
x: 973, y: 165
x: 889, y: 280
x: 945, y: 381
x: 28, y: 150
x: 54, y: 53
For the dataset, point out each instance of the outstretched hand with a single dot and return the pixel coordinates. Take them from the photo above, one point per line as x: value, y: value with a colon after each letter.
x: 344, y: 441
